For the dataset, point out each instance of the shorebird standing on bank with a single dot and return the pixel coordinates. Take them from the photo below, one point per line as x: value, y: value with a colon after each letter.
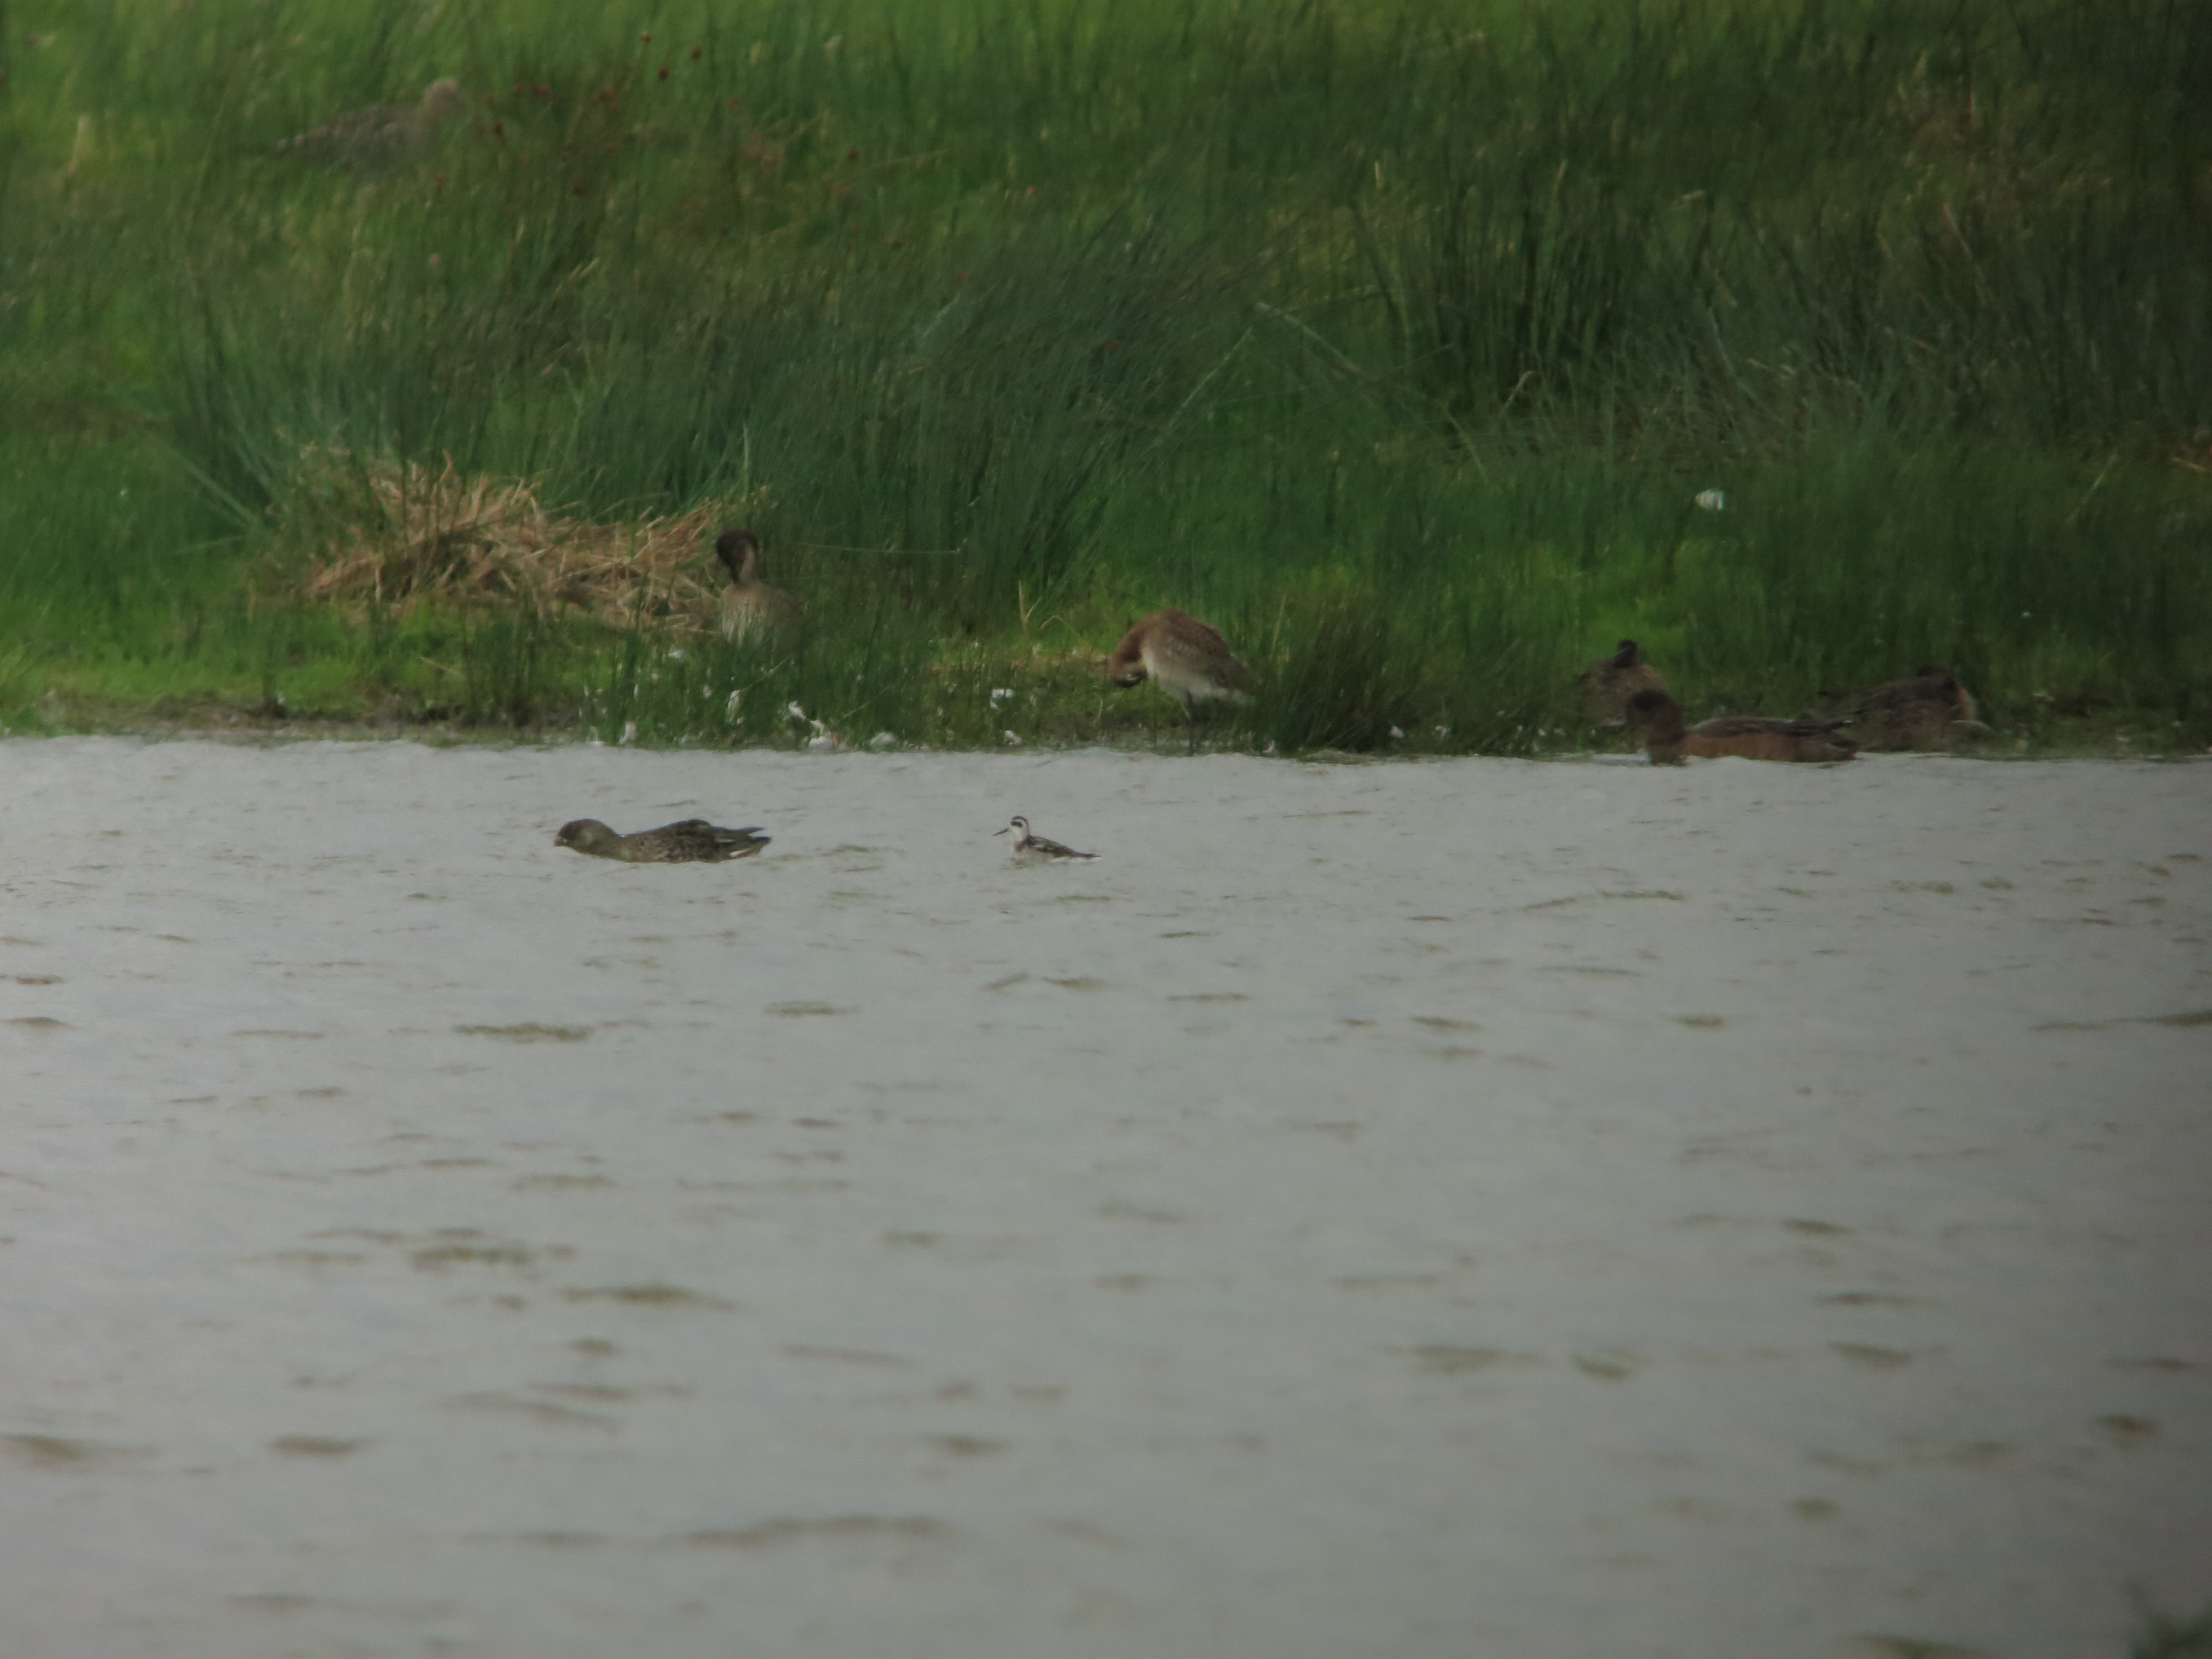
x: 1186, y: 659
x: 1610, y: 681
x: 694, y: 840
x: 1036, y: 849
x: 1924, y: 712
x: 382, y: 134
x: 1749, y: 736
x: 750, y: 605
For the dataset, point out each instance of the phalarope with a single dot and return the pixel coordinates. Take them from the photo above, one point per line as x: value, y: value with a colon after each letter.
x: 1750, y: 736
x: 693, y: 840
x: 1031, y: 849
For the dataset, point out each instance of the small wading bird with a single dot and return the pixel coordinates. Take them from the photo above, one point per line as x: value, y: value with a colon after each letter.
x: 1035, y: 849
x: 1610, y: 681
x: 694, y: 840
x: 1746, y: 735
x: 1924, y: 712
x: 750, y: 605
x: 1186, y: 659
x: 382, y: 135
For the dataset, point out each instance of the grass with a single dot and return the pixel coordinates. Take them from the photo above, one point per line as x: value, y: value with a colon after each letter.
x: 1396, y: 340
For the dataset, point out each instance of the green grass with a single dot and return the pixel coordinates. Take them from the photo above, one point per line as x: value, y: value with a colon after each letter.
x: 1396, y: 341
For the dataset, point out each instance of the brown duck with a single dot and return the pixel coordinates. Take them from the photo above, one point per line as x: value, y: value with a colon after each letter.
x: 1924, y: 712
x: 750, y: 605
x: 1186, y: 659
x: 694, y: 840
x: 1747, y: 735
x: 381, y: 135
x: 1610, y: 681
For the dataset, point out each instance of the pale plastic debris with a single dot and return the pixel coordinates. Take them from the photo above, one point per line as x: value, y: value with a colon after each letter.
x: 1013, y: 742
x: 1713, y: 501
x: 629, y: 733
x: 729, y: 707
x: 882, y: 741
x: 1397, y: 731
x: 999, y: 694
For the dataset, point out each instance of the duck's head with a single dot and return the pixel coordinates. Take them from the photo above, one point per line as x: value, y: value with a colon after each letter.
x: 441, y: 99
x: 586, y: 835
x: 1647, y: 707
x: 1627, y: 655
x: 738, y: 550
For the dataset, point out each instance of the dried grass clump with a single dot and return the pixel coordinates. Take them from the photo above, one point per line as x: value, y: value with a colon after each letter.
x: 472, y: 542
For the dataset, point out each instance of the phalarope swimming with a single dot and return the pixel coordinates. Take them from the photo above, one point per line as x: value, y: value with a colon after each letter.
x: 1030, y: 848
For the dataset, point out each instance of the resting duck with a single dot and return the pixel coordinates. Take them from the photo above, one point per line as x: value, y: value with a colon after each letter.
x: 1924, y: 712
x: 1610, y: 681
x: 694, y: 840
x: 750, y: 605
x: 1748, y: 735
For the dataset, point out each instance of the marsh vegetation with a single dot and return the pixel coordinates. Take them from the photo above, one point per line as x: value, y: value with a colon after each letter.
x: 1397, y: 342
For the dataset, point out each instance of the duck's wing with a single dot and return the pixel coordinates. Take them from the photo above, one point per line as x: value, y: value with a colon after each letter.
x: 1750, y: 726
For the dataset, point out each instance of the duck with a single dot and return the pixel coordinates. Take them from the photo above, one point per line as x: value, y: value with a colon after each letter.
x: 1030, y: 848
x: 750, y: 605
x: 694, y: 840
x: 381, y: 135
x: 1186, y: 658
x: 1749, y: 736
x: 1610, y: 681
x: 1923, y: 712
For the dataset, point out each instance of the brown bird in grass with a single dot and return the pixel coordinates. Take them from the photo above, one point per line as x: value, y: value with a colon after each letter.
x: 1610, y: 681
x: 1186, y: 659
x: 1747, y: 735
x: 750, y: 605
x: 382, y: 135
x: 694, y: 840
x: 1924, y: 712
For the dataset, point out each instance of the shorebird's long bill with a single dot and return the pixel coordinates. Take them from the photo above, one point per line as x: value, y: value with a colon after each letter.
x: 1001, y: 832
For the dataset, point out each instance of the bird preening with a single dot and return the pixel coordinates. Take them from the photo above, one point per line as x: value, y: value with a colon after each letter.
x: 750, y: 606
x: 1186, y: 658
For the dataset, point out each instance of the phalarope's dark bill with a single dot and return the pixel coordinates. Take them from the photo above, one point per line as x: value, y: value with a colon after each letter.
x: 694, y: 840
x: 1036, y: 849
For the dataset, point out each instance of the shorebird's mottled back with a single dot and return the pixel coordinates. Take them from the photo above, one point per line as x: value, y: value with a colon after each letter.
x: 1186, y: 658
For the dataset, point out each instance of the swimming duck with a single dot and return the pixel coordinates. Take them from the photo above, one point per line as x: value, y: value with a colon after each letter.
x: 694, y: 840
x: 382, y: 134
x: 1610, y: 681
x: 750, y: 605
x: 1186, y: 659
x: 1748, y: 735
x: 1924, y: 712
x: 1031, y: 849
